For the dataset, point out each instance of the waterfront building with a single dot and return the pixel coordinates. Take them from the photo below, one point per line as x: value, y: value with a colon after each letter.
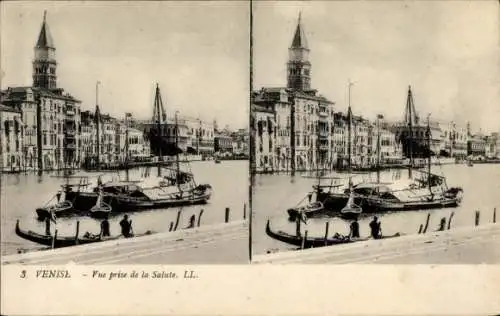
x: 138, y: 146
x: 11, y: 139
x: 303, y: 119
x: 51, y: 116
x: 241, y: 142
x: 491, y: 146
x: 381, y: 136
x: 223, y: 144
x: 202, y: 136
x: 476, y: 145
x: 264, y: 136
x: 453, y: 139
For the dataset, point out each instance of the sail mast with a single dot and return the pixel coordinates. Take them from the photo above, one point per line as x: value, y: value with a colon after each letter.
x: 126, y: 147
x: 379, y: 117
x: 429, y: 150
x: 159, y: 127
x: 177, y: 145
x: 98, y: 123
x: 409, y: 118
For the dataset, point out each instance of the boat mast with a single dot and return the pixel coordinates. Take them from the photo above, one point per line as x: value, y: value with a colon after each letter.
x: 126, y: 147
x: 177, y: 167
x: 429, y: 150
x: 379, y: 117
x: 98, y: 121
x: 158, y: 107
x: 349, y: 131
x: 409, y: 118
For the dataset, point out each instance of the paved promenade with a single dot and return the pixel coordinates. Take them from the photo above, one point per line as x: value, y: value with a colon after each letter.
x: 215, y: 244
x: 471, y: 245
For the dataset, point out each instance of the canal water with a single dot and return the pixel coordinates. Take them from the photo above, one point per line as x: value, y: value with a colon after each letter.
x: 272, y: 195
x: 21, y: 194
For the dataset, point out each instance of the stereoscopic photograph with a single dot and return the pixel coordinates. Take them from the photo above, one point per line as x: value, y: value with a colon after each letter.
x: 124, y: 132
x: 375, y: 132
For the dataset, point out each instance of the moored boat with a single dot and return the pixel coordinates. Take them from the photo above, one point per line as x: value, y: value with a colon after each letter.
x: 61, y: 209
x: 315, y: 242
x: 100, y: 209
x: 310, y: 210
x: 65, y: 241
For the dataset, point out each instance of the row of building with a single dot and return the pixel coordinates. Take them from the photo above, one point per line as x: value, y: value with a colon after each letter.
x: 296, y: 128
x: 44, y: 128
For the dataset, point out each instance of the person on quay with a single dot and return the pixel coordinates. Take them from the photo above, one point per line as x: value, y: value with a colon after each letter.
x: 375, y: 228
x: 126, y: 226
x: 105, y: 228
x: 354, y: 229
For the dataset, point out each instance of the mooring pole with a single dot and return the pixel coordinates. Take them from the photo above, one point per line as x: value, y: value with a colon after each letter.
x: 327, y: 226
x: 77, y: 231
x: 199, y: 217
x: 227, y: 215
x: 449, y: 220
x: 54, y: 239
x: 427, y: 222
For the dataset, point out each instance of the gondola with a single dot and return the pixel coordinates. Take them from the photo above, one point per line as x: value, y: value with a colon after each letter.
x: 65, y: 241
x: 314, y: 242
x: 61, y: 209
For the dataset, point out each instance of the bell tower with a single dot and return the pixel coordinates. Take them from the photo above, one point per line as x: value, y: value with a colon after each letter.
x: 44, y: 64
x: 298, y: 66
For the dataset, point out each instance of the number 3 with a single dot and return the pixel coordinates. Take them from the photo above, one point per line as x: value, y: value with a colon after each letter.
x: 23, y: 274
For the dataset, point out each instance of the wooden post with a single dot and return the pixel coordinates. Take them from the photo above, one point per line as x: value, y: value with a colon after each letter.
x: 421, y: 228
x: 304, y: 240
x: 449, y: 220
x: 427, y: 222
x: 244, y: 211
x: 495, y: 215
x: 54, y: 239
x: 327, y: 226
x: 477, y: 218
x: 227, y: 215
x: 177, y: 220
x: 171, y: 226
x: 199, y: 217
x: 77, y: 231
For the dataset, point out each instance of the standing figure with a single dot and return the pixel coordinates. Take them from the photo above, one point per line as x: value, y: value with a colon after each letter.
x: 105, y: 228
x: 126, y: 226
x: 354, y: 229
x: 375, y: 228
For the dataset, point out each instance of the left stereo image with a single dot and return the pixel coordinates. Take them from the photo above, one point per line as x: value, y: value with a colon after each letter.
x: 125, y: 142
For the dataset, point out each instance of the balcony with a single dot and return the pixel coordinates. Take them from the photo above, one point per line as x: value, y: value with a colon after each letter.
x: 70, y: 146
x: 323, y: 113
x: 70, y: 111
x: 323, y: 134
x: 324, y: 147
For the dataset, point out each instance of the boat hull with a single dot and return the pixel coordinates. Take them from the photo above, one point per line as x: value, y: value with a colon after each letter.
x: 63, y: 241
x: 313, y: 242
x: 46, y: 212
x: 120, y: 203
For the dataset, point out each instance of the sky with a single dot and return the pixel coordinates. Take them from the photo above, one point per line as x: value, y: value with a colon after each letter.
x: 448, y: 51
x: 198, y: 52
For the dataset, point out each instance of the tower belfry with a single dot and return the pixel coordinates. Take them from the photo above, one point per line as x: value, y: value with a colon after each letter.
x: 411, y: 116
x: 44, y: 64
x: 159, y: 114
x: 298, y: 66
